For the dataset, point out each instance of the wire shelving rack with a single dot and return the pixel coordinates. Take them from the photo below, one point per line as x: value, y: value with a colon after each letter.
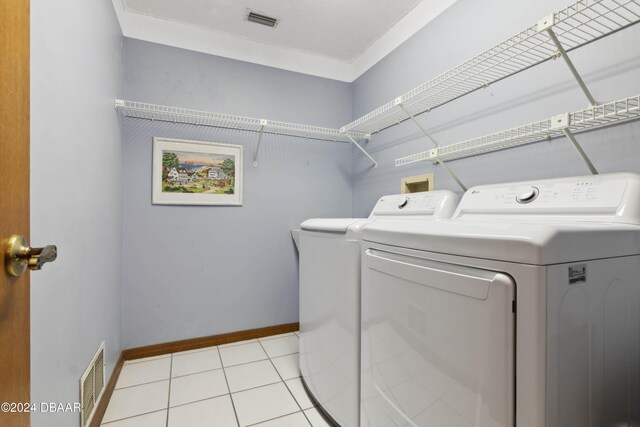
x: 594, y: 117
x: 552, y: 37
x: 575, y: 26
x: 141, y: 110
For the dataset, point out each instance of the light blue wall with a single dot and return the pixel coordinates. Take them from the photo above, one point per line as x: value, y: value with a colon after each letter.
x: 76, y: 193
x: 196, y: 271
x: 611, y: 68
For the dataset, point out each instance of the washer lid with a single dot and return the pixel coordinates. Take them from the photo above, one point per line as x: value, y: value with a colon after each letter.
x: 538, y: 244
x: 329, y: 225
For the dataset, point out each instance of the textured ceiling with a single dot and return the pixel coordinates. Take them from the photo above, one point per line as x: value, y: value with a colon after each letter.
x: 338, y: 29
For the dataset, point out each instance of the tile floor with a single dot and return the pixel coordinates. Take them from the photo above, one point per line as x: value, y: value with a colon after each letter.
x: 248, y: 383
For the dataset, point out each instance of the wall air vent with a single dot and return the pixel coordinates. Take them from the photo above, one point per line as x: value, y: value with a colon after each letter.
x: 92, y: 386
x: 261, y: 19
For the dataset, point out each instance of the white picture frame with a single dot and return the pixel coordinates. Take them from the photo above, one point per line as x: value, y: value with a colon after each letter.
x: 187, y: 172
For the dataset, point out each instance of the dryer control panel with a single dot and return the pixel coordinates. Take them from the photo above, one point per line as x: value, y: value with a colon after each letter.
x: 609, y: 197
x: 439, y: 204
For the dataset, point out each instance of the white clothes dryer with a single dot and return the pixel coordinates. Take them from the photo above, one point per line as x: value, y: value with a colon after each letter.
x: 523, y: 310
x: 330, y: 298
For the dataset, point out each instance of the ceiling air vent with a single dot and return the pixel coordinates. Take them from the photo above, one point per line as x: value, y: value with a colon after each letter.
x: 262, y: 19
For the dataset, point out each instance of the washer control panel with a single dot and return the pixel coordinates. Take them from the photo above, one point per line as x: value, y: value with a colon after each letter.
x: 433, y: 203
x: 582, y: 197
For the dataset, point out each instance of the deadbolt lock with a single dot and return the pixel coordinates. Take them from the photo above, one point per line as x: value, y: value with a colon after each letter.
x: 19, y: 256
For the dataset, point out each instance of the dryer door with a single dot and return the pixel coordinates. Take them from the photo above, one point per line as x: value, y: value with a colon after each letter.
x: 437, y: 343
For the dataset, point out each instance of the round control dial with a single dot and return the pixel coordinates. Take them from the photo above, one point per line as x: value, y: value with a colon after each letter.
x: 527, y: 196
x: 404, y: 203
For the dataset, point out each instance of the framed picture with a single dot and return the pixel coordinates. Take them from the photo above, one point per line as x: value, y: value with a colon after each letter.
x: 196, y: 173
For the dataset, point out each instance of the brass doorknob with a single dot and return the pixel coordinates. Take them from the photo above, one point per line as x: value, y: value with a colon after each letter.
x: 19, y: 255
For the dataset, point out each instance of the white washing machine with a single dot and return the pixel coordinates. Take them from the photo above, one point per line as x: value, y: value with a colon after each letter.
x: 330, y: 298
x: 523, y: 310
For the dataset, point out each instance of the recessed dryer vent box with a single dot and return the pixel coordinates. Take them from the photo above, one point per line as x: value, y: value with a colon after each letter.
x: 417, y: 183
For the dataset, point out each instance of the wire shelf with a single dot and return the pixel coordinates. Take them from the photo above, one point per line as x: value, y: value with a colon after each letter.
x: 582, y: 120
x: 575, y: 26
x: 141, y: 110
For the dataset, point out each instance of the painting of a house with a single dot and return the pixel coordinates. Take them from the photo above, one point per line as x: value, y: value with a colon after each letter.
x: 196, y: 169
x: 179, y: 176
x: 216, y: 173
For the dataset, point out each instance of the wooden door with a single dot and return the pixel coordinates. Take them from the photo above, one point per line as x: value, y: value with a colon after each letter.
x: 14, y: 205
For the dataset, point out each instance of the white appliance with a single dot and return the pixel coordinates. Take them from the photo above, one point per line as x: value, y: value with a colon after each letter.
x: 523, y: 310
x: 330, y: 298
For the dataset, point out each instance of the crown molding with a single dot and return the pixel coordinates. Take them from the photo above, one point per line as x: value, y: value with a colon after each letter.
x: 175, y: 34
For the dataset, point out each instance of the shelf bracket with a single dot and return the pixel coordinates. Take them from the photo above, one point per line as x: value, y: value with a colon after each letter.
x: 413, y: 119
x: 263, y: 123
x: 546, y: 24
x: 398, y: 102
x: 562, y: 122
x: 354, y: 142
